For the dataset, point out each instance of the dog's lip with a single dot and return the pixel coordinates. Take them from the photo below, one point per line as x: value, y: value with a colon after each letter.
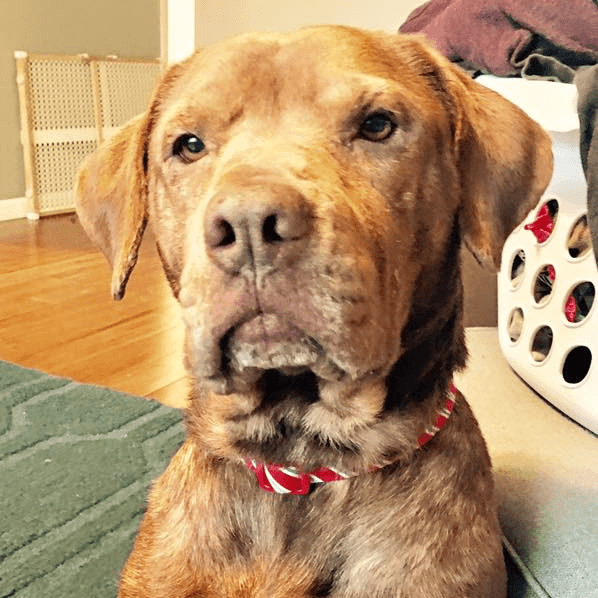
x: 266, y: 327
x: 268, y: 341
x: 231, y: 350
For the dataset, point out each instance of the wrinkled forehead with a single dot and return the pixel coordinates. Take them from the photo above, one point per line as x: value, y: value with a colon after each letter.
x: 320, y: 66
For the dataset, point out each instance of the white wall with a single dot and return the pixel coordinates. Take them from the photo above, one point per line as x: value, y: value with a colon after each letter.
x: 218, y: 19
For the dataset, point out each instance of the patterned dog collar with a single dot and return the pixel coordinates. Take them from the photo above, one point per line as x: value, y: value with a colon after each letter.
x: 286, y: 479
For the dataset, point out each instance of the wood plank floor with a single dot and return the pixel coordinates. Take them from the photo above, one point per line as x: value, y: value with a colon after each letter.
x: 57, y: 315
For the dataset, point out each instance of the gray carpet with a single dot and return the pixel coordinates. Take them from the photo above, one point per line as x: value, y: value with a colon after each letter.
x: 75, y: 465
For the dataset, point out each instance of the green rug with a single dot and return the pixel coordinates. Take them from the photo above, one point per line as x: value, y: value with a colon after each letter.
x: 75, y: 465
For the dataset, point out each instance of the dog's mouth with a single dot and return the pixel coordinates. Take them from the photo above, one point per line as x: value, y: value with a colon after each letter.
x: 269, y: 342
x: 266, y: 342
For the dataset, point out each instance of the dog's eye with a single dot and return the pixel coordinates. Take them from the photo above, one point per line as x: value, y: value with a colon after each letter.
x: 188, y: 147
x: 377, y: 127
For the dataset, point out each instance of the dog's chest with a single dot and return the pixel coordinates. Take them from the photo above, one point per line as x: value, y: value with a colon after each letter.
x: 323, y: 544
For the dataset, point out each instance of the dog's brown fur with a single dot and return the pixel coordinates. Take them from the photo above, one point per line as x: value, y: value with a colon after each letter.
x: 326, y: 328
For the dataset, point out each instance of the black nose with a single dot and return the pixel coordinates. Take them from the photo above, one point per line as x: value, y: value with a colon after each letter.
x: 258, y: 227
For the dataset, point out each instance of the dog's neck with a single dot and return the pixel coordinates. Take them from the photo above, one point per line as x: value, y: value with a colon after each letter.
x: 281, y: 479
x: 276, y: 431
x: 434, y: 338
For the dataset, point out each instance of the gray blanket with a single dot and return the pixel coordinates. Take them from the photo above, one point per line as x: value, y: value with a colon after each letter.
x: 587, y: 106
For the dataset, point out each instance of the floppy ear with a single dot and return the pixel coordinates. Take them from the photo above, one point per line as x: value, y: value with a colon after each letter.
x: 111, y: 189
x: 505, y: 162
x: 111, y: 199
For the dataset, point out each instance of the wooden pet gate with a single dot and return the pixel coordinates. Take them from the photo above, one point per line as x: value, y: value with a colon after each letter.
x: 69, y: 104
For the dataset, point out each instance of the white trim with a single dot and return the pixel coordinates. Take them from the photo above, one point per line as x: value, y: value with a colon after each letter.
x: 13, y: 209
x: 64, y: 135
x: 179, y: 22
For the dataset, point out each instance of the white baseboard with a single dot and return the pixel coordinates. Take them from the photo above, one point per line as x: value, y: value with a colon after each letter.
x: 12, y: 209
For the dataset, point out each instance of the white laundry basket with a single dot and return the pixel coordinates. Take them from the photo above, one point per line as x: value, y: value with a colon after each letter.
x: 547, y: 321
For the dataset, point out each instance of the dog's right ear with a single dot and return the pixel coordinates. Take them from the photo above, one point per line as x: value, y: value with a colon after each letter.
x: 111, y: 189
x: 111, y: 199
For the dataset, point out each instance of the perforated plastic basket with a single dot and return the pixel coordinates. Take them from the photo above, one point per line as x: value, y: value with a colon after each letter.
x: 548, y: 328
x: 547, y: 321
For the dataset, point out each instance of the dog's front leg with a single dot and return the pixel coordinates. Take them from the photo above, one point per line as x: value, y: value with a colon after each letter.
x: 160, y: 563
x: 149, y: 574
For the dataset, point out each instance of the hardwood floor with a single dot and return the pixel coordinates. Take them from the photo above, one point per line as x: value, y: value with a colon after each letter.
x: 57, y: 315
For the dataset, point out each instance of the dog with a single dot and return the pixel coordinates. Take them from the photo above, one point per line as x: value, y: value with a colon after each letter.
x: 309, y: 194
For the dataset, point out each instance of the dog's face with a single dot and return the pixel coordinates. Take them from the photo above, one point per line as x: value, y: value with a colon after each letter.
x: 306, y: 192
x: 300, y: 178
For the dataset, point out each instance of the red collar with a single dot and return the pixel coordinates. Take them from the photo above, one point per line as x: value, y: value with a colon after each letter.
x: 281, y: 479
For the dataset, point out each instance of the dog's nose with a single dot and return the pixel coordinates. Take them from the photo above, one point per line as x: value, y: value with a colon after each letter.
x: 258, y: 227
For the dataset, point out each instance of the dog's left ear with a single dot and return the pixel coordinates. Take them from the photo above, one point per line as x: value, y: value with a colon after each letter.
x: 504, y: 158
x: 505, y: 162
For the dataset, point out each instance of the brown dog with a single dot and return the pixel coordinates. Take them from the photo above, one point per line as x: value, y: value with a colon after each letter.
x: 309, y: 194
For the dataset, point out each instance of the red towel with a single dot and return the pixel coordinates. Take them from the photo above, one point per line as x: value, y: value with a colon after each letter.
x: 501, y: 37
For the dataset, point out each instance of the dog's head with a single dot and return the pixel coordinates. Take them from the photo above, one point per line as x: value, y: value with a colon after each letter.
x: 308, y: 193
